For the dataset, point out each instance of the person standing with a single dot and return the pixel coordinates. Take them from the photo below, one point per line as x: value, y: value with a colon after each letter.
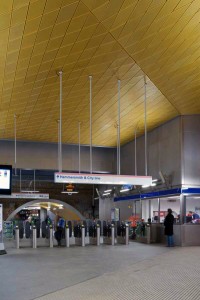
x: 168, y: 223
x: 195, y: 215
x: 60, y: 230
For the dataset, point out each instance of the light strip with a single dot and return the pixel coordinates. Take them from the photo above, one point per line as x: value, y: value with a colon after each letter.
x: 124, y: 190
x: 33, y: 208
x: 24, y: 191
x: 105, y: 194
x: 65, y: 192
x: 107, y: 191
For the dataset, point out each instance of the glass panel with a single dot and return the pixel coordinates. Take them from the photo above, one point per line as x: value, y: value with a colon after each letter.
x: 145, y: 210
x: 170, y: 202
x: 154, y: 210
x: 193, y: 209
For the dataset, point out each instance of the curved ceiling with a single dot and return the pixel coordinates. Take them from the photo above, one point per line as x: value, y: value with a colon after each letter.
x: 110, y: 40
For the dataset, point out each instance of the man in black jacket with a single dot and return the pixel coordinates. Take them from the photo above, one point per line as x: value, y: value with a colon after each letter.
x: 168, y: 223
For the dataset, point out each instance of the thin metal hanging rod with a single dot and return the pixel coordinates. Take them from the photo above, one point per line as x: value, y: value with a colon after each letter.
x: 90, y: 77
x: 20, y: 180
x: 79, y: 147
x: 145, y: 123
x: 117, y: 149
x: 58, y: 123
x: 135, y: 151
x: 34, y: 180
x: 60, y: 133
x: 15, y: 128
x: 119, y: 128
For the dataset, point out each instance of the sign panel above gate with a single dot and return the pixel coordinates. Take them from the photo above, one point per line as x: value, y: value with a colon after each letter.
x: 60, y: 177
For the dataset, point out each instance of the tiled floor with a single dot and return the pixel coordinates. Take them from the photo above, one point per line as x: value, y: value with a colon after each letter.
x: 136, y: 271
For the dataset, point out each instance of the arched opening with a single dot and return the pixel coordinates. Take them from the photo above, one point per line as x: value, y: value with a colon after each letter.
x: 48, y: 206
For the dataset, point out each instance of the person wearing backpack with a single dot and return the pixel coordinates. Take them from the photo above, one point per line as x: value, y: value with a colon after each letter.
x: 59, y: 230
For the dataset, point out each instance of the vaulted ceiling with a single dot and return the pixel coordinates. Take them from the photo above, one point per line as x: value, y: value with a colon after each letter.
x: 110, y: 40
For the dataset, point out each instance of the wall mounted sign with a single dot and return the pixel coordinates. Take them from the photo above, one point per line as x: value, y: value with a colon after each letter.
x: 26, y: 196
x: 60, y: 177
x: 115, y: 214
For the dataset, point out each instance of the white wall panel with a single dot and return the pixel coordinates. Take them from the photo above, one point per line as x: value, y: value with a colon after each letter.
x: 164, y: 153
x: 191, y: 150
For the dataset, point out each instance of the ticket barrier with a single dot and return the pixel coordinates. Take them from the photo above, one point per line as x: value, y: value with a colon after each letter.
x: 31, y: 238
x: 94, y: 234
x: 109, y: 234
x: 67, y: 243
x: 80, y: 234
x: 68, y: 234
x: 123, y: 233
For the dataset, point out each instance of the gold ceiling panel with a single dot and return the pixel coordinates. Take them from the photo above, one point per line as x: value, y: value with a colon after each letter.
x: 110, y: 40
x: 163, y: 38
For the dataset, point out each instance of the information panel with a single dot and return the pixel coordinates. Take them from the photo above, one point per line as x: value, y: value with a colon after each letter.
x: 1, y: 223
x: 4, y: 179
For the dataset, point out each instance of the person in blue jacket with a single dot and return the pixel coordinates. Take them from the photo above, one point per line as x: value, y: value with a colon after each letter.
x: 195, y: 216
x: 59, y: 230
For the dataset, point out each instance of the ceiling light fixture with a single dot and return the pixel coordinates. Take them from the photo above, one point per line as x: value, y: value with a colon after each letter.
x: 107, y: 191
x: 124, y: 190
x: 106, y: 194
x: 33, y: 208
x: 29, y: 191
x: 69, y: 193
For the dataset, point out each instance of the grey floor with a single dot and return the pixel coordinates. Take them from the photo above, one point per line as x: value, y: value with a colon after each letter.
x: 136, y: 271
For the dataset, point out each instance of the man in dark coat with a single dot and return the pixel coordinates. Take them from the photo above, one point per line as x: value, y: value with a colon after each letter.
x: 168, y: 223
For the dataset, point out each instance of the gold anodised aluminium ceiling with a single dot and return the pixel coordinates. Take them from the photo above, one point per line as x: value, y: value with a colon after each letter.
x: 110, y: 40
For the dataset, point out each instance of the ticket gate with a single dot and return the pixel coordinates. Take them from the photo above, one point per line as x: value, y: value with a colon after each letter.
x: 122, y: 233
x: 27, y: 235
x: 108, y: 233
x: 80, y: 234
x: 94, y: 234
x: 31, y: 238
